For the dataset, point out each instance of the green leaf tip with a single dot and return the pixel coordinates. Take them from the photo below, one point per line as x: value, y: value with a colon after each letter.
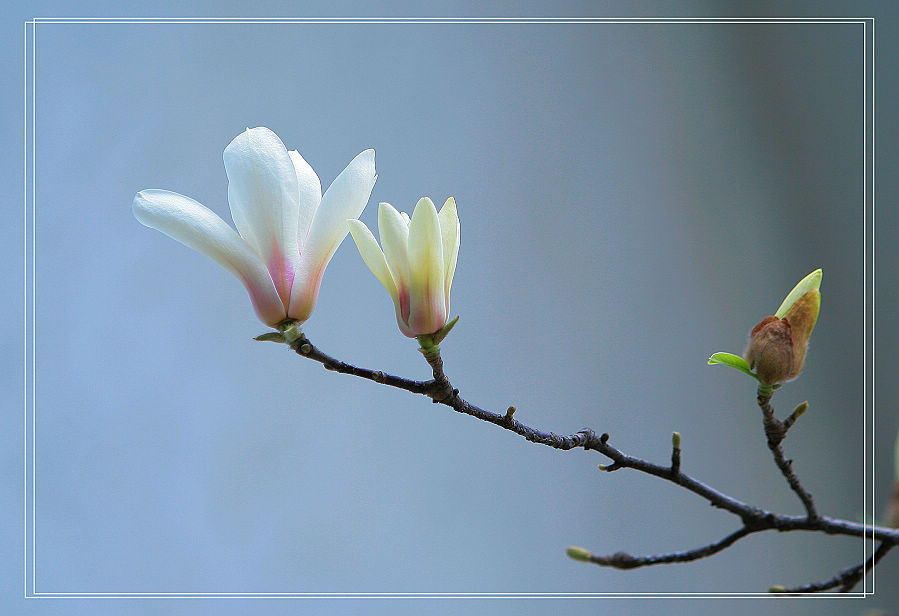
x: 809, y: 283
x: 675, y: 440
x: 578, y: 554
x: 271, y: 337
x: 777, y: 589
x: 444, y: 331
x: 732, y: 361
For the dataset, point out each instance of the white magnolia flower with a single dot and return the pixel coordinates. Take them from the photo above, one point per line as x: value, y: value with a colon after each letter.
x: 417, y: 263
x: 288, y: 231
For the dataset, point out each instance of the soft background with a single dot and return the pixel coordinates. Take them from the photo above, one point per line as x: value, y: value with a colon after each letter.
x: 632, y: 198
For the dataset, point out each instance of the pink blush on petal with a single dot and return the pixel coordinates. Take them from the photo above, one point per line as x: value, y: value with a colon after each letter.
x: 266, y: 309
x: 405, y: 303
x: 282, y: 274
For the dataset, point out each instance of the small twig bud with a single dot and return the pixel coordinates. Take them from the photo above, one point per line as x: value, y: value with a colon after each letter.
x: 777, y: 589
x: 801, y: 408
x: 675, y: 453
x: 509, y: 412
x: 579, y: 554
x: 305, y: 348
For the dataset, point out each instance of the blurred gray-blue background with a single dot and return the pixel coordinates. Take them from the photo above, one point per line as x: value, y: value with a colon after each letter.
x: 633, y: 197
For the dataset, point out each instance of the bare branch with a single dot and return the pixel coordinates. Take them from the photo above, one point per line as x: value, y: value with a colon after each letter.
x: 754, y: 519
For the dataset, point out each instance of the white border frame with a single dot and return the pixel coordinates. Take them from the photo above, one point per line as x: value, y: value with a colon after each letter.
x: 30, y: 381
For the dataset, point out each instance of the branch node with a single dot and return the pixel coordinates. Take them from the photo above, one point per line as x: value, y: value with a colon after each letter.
x: 604, y: 438
x: 589, y: 436
x: 305, y: 348
x: 622, y: 560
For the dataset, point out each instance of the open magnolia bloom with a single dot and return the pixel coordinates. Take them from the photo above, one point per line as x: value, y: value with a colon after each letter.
x: 778, y: 345
x: 417, y: 263
x: 287, y: 231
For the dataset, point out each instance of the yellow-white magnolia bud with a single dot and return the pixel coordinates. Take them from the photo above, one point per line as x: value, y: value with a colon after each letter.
x: 417, y: 262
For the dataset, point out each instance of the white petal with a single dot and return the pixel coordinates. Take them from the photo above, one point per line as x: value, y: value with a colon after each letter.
x: 449, y: 232
x: 394, y: 232
x: 200, y: 228
x: 310, y: 194
x: 428, y: 294
x: 344, y: 199
x: 372, y: 255
x: 264, y: 198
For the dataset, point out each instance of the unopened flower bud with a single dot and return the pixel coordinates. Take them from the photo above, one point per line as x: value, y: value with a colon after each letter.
x: 770, y: 350
x: 778, y: 345
x: 415, y: 262
x: 579, y: 554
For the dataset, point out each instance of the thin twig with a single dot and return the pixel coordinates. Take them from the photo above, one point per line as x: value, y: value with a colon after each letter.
x: 622, y: 560
x: 846, y: 579
x: 305, y: 348
x: 775, y: 430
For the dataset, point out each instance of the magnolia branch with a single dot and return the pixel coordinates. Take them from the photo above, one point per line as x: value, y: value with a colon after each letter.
x: 845, y: 580
x: 776, y: 431
x: 754, y: 519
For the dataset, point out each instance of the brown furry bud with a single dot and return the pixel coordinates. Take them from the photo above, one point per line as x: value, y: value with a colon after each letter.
x: 770, y: 350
